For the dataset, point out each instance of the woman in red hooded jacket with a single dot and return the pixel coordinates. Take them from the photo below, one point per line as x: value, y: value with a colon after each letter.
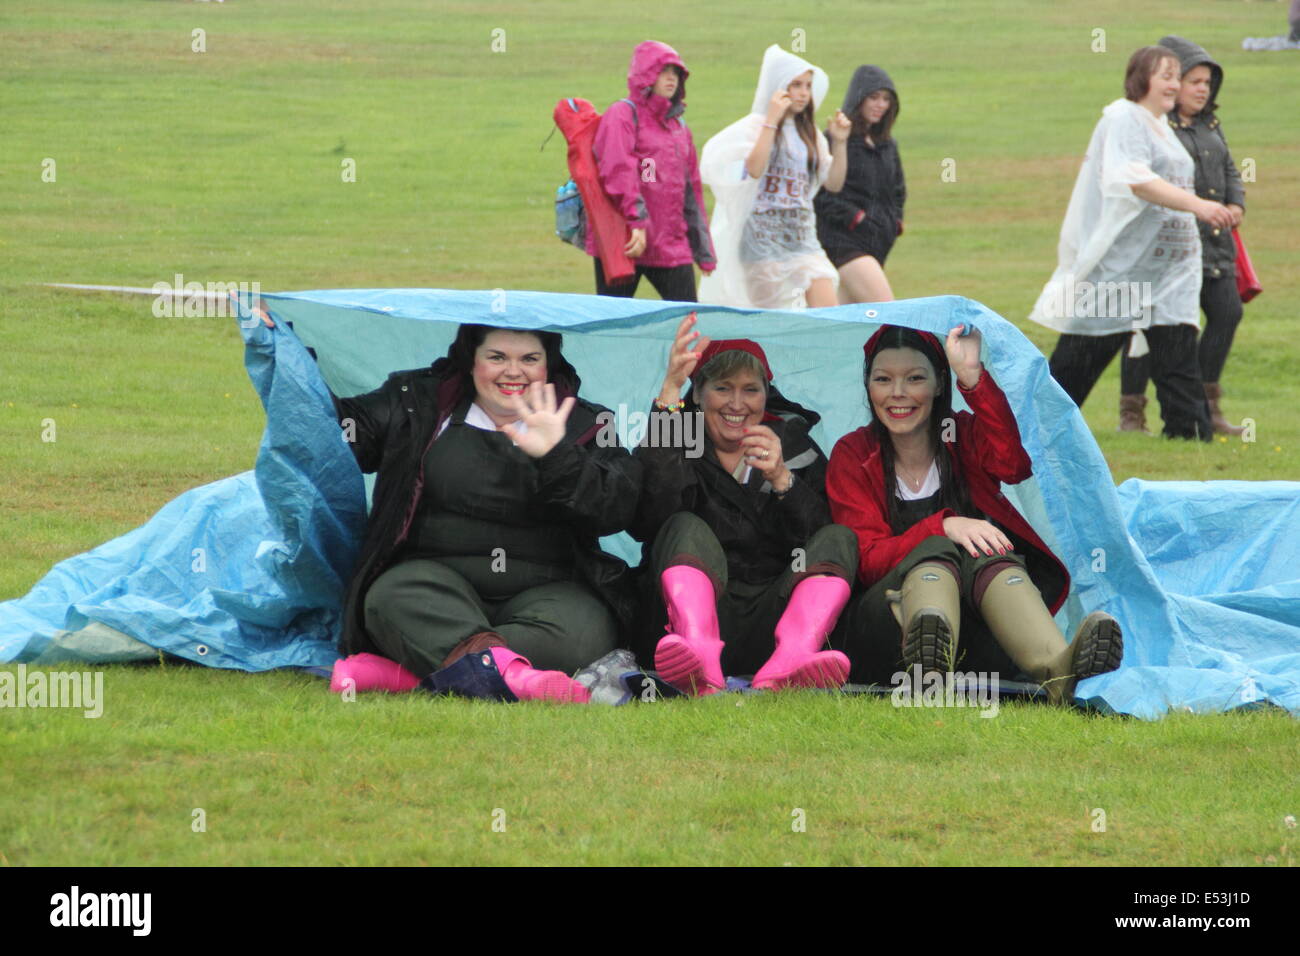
x: 649, y: 168
x: 942, y: 551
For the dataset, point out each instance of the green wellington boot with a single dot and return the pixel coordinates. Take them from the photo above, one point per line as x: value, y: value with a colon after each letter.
x: 1022, y: 625
x: 930, y: 604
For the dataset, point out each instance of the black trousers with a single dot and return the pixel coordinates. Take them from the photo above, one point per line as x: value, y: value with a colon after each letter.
x: 1221, y: 304
x: 673, y: 283
x: 1078, y: 361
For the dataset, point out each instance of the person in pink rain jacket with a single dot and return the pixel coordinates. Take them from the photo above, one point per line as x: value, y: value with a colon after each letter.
x: 649, y: 169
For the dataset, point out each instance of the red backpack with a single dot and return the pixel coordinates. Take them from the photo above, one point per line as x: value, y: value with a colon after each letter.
x: 577, y: 121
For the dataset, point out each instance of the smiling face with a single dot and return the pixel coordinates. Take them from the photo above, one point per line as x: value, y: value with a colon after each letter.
x: 504, y: 366
x: 1162, y: 88
x: 875, y: 106
x: 1194, y: 92
x: 800, y: 90
x: 730, y: 405
x: 902, y: 388
x: 668, y: 81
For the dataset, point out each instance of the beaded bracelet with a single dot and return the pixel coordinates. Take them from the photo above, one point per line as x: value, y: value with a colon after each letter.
x: 676, y: 406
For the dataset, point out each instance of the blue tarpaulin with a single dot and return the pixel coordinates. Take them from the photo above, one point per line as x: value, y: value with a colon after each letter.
x: 248, y: 572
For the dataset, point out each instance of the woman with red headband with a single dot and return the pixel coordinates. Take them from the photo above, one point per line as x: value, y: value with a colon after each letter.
x: 744, y: 566
x: 941, y: 550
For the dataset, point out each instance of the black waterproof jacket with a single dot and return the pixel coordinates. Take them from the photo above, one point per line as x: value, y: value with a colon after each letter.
x: 591, y: 484
x: 1217, y: 177
x: 873, y: 185
x: 757, y: 530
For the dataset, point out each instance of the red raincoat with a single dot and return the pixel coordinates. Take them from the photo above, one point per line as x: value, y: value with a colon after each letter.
x: 606, y: 232
x: 987, y: 452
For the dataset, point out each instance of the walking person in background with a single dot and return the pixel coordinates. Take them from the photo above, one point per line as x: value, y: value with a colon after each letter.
x: 648, y: 166
x: 1196, y: 124
x: 1129, y: 269
x: 764, y: 170
x: 857, y: 226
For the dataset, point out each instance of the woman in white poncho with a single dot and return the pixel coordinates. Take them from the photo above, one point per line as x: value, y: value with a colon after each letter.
x: 1129, y: 269
x: 764, y: 170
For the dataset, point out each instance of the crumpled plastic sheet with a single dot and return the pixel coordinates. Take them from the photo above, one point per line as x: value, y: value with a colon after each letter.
x: 1202, y: 575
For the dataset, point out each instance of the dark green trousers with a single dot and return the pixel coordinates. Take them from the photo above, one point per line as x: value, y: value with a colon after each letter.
x: 420, y: 609
x: 870, y: 634
x: 747, y: 611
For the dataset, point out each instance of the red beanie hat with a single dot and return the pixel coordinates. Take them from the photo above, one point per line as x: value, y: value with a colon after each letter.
x: 930, y: 338
x: 718, y: 346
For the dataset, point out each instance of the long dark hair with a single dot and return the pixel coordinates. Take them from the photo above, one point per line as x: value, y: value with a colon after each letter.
x: 806, y: 126
x: 952, y: 486
x: 878, y: 131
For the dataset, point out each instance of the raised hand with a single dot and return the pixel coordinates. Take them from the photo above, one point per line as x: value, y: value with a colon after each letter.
x: 682, y: 359
x: 964, y: 355
x: 778, y: 107
x: 840, y: 127
x: 545, y: 422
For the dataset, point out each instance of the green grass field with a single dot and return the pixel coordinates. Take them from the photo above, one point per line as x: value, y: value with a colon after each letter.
x: 225, y: 165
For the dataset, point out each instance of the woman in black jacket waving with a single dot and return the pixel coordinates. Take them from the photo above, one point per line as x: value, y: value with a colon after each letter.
x: 742, y: 561
x: 481, y: 556
x: 858, y: 225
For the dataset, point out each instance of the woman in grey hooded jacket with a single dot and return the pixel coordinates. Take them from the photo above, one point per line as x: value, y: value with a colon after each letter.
x: 858, y: 225
x: 1194, y: 121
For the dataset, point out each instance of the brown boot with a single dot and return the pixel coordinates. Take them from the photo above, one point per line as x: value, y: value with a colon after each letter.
x: 1132, y: 414
x: 1221, y: 425
x: 928, y: 610
x: 1023, y: 627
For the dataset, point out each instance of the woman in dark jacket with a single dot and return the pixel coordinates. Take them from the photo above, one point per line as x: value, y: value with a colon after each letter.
x: 481, y: 556
x: 1194, y: 121
x: 738, y: 535
x: 941, y: 550
x: 858, y: 225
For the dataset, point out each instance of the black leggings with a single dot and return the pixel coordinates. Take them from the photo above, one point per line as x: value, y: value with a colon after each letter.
x: 1078, y: 361
x: 1221, y: 304
x: 673, y: 283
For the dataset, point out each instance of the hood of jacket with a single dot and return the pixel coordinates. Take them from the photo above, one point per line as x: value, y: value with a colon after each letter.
x: 779, y: 70
x: 1191, y: 55
x: 648, y: 61
x: 866, y: 80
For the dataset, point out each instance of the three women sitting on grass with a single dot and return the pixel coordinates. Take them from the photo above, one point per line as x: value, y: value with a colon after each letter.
x: 481, y: 572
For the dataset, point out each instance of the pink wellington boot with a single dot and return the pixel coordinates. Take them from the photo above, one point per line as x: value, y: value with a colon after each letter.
x: 690, y: 657
x: 527, y: 683
x: 800, y: 660
x: 371, y: 672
